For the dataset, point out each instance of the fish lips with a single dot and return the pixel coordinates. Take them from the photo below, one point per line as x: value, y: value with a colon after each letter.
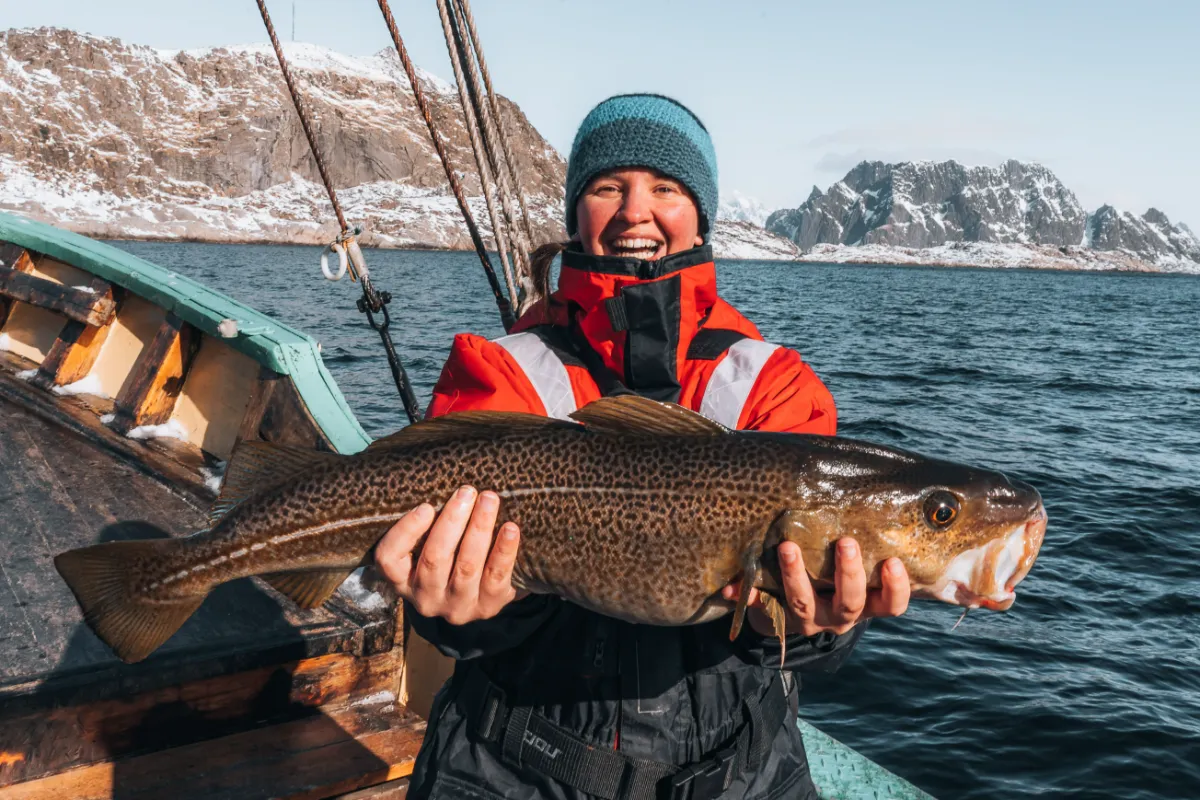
x: 987, y: 576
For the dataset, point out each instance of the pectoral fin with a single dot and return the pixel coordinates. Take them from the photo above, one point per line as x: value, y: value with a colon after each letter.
x: 751, y: 567
x: 778, y: 614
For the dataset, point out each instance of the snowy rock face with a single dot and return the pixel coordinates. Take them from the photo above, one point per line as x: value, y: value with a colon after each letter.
x: 1151, y: 236
x: 123, y: 140
x: 745, y: 240
x: 737, y: 207
x: 929, y: 204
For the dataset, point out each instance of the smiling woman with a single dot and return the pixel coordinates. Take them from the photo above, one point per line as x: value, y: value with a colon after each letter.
x: 646, y: 711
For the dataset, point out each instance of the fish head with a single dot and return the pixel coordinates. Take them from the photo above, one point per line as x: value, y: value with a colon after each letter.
x: 967, y: 536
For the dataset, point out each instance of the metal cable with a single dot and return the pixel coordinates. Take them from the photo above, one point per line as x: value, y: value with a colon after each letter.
x: 455, y: 48
x: 371, y: 302
x: 502, y: 303
x: 503, y: 128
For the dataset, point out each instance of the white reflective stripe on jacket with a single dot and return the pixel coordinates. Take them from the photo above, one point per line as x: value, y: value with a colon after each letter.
x: 724, y: 398
x: 544, y: 370
x: 731, y: 382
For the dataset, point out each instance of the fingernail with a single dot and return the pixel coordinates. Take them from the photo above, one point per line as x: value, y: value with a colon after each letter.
x: 466, y: 494
x: 787, y: 555
x: 847, y: 547
x: 423, y: 511
x: 894, y: 567
x: 508, y: 533
x: 489, y: 500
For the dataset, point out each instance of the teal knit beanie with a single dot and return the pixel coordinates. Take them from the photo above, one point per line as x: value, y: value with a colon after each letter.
x: 644, y: 130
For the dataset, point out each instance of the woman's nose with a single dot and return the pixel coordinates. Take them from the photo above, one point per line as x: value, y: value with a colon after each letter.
x: 635, y: 207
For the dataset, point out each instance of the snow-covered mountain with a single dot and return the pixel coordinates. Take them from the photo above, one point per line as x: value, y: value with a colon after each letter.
x: 122, y: 140
x: 944, y: 212
x: 737, y: 207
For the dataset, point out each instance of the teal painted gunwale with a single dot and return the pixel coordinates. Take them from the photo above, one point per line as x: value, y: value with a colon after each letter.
x: 839, y: 772
x: 269, y: 342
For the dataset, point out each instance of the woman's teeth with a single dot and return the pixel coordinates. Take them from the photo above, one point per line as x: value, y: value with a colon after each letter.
x: 635, y: 248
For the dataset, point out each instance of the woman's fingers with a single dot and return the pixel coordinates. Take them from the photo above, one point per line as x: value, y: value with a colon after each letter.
x: 891, y: 599
x: 797, y: 588
x: 850, y: 587
x: 495, y: 588
x: 473, y: 549
x: 432, y: 570
x: 393, y: 554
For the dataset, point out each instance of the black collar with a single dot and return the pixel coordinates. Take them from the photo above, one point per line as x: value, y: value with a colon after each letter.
x: 574, y: 258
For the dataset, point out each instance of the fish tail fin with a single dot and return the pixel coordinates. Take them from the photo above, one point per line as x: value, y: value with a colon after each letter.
x: 131, y: 624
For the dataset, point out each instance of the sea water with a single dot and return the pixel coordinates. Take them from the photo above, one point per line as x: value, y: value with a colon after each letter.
x: 1086, y: 385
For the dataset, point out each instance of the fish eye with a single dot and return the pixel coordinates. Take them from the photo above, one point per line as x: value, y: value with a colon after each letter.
x: 941, y: 508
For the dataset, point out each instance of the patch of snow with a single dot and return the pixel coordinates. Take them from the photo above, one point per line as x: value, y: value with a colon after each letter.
x: 108, y: 418
x: 358, y: 594
x: 27, y: 374
x: 373, y: 699
x: 172, y: 429
x: 87, y: 289
x: 214, y: 476
x: 5, y: 342
x: 88, y: 385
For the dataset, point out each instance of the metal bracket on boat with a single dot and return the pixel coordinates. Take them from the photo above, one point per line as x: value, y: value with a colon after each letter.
x: 349, y: 256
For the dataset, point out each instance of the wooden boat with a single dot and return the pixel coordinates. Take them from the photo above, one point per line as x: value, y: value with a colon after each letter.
x: 123, y: 389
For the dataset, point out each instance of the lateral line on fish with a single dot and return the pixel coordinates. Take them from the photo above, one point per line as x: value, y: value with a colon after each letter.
x: 274, y: 540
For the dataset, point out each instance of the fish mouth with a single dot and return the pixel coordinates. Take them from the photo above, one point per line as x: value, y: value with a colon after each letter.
x: 987, y: 576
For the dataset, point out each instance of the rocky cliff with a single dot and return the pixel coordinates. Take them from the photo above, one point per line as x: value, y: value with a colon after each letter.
x: 976, y: 215
x: 124, y: 141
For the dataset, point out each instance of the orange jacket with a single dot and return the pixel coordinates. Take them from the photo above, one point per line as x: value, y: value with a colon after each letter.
x: 657, y: 328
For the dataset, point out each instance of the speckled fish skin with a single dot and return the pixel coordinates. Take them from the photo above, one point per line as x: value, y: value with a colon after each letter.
x: 644, y: 528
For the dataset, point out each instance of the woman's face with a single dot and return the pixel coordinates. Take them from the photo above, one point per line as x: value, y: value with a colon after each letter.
x: 637, y: 213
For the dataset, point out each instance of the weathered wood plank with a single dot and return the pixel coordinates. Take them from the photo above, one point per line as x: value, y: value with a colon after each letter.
x: 90, y: 306
x: 288, y: 421
x: 392, y: 790
x: 260, y: 398
x: 157, y: 376
x: 76, y: 349
x: 13, y: 256
x: 72, y: 415
x: 50, y: 740
x: 323, y: 755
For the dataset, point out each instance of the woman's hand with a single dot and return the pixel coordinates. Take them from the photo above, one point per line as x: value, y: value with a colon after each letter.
x: 809, y: 613
x: 460, y: 588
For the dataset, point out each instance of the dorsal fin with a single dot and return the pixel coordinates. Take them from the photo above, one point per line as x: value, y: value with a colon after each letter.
x: 257, y: 466
x: 632, y: 414
x: 465, y: 424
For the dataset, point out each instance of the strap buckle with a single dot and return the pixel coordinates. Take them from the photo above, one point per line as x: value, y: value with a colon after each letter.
x: 704, y: 780
x: 493, y: 713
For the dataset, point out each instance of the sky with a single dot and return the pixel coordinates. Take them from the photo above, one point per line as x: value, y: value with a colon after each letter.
x: 1105, y: 94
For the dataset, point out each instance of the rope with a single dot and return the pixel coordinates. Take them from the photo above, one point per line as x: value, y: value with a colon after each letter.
x: 372, y: 302
x: 485, y: 109
x: 308, y: 132
x: 477, y: 45
x: 502, y: 303
x: 455, y: 47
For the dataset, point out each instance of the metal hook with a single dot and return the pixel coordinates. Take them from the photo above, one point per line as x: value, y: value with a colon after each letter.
x: 343, y: 262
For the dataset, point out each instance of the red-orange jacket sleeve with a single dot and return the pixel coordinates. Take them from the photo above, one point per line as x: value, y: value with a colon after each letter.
x: 481, y: 376
x: 789, y: 397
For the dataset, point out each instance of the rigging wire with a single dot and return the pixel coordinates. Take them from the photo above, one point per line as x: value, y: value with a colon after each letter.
x: 502, y: 302
x: 477, y: 45
x: 372, y: 302
x: 483, y: 162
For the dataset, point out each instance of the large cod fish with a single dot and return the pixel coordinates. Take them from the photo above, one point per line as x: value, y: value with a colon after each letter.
x: 640, y: 510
